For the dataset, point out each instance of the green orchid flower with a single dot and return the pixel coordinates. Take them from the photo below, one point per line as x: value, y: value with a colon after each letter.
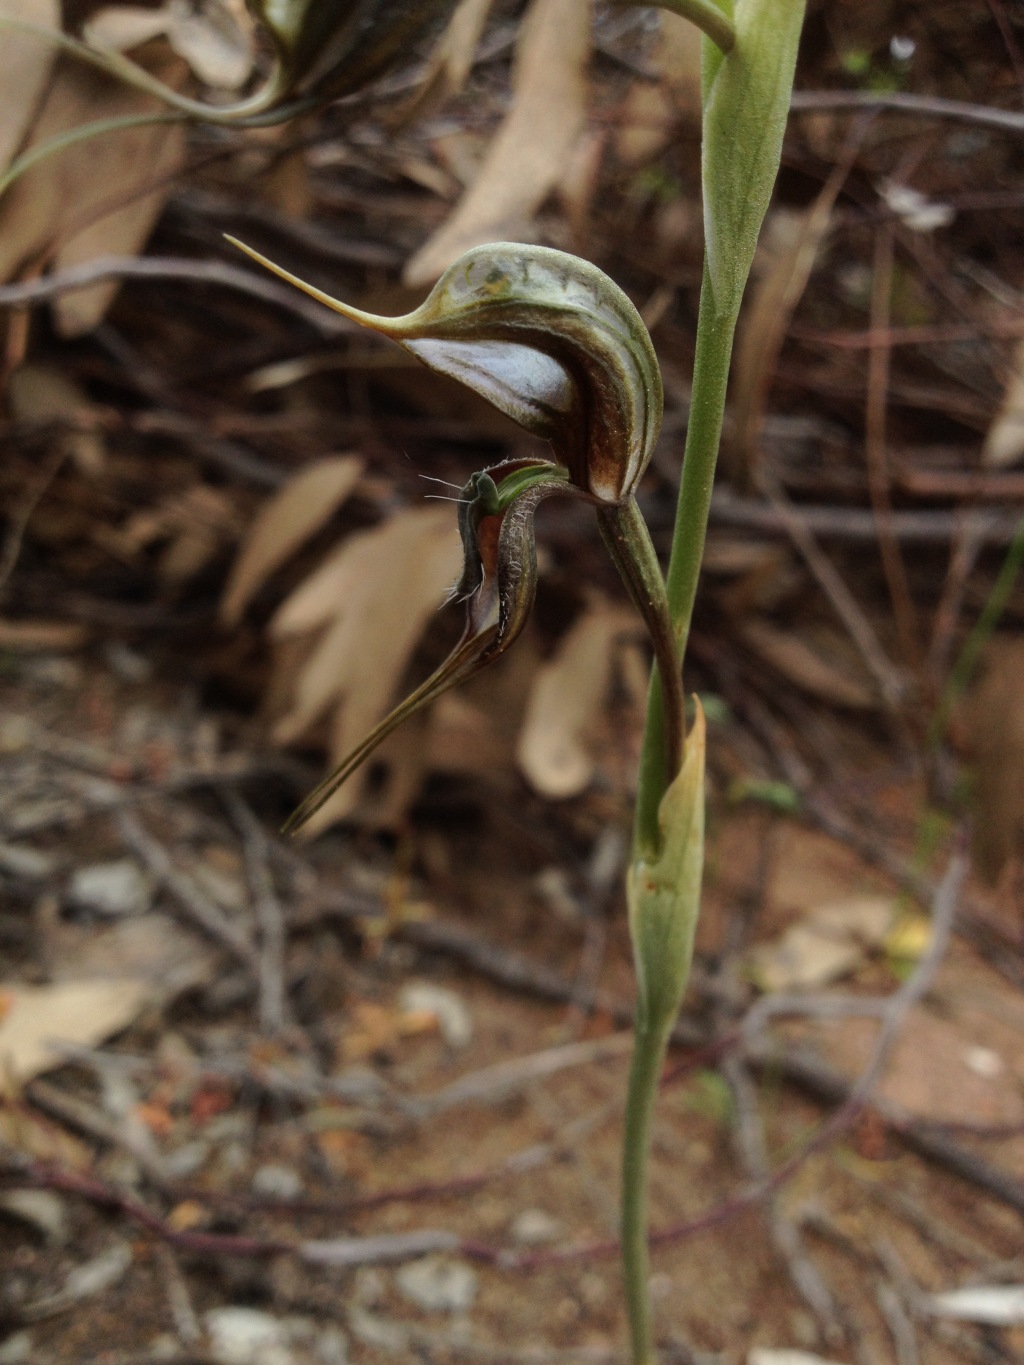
x: 553, y: 343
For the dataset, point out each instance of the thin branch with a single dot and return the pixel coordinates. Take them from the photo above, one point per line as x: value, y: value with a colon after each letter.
x: 890, y: 682
x: 273, y: 996
x: 22, y: 515
x: 993, y: 526
x: 172, y: 268
x: 750, y: 1139
x: 77, y: 1113
x: 879, y: 479
x: 900, y: 102
x: 853, y: 1098
x: 199, y: 908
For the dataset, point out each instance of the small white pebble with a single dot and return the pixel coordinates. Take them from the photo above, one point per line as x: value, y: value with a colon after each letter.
x: 453, y: 1017
x: 277, y: 1182
x: 30, y: 864
x: 116, y: 888
x: 984, y: 1062
x: 245, y: 1336
x: 129, y: 665
x: 534, y: 1226
x: 42, y: 1209
x: 331, y: 1347
x: 438, y: 1284
x: 660, y: 1286
x: 16, y: 1349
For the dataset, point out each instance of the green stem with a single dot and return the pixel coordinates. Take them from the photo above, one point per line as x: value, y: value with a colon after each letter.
x: 715, y: 333
x: 645, y: 1072
x: 629, y: 542
x: 82, y: 133
x: 707, y: 16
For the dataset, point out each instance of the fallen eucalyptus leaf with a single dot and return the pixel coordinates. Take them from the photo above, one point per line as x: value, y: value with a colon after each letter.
x: 823, y: 946
x: 374, y: 595
x: 531, y: 150
x: 100, y: 196
x: 567, y: 694
x: 25, y: 62
x: 33, y: 1018
x: 284, y: 523
x: 215, y: 40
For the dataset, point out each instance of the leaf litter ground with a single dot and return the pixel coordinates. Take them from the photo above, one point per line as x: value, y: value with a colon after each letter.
x: 363, y: 1095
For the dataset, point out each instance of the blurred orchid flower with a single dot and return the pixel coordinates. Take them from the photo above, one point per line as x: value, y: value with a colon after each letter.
x: 328, y: 48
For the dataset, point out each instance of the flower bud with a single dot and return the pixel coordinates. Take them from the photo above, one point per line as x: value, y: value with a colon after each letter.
x: 663, y: 893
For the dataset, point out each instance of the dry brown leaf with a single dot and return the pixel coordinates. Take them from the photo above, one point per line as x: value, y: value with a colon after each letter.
x: 201, y: 519
x: 153, y: 948
x: 27, y: 637
x: 475, y: 729
x: 286, y: 522
x: 123, y: 27
x: 564, y: 701
x: 41, y: 395
x: 90, y: 198
x: 375, y: 596
x: 1004, y: 444
x: 581, y: 182
x: 395, y: 577
x: 459, y: 153
x: 461, y: 738
x: 33, y: 1134
x: 529, y: 151
x: 791, y: 246
x: 825, y: 945
x: 79, y: 1012
x: 216, y: 40
x: 801, y: 663
x: 452, y: 59
x: 25, y: 63
x: 652, y: 109
x: 319, y: 598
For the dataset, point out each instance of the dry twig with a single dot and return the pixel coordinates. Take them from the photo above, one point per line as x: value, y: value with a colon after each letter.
x: 273, y: 999
x: 199, y: 908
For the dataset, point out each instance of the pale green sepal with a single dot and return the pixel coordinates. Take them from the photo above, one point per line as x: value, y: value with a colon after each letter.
x: 663, y: 892
x: 746, y: 102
